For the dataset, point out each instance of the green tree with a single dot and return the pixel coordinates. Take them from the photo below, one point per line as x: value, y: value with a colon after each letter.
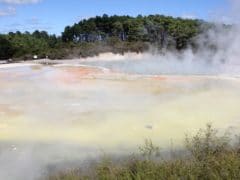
x: 6, y: 49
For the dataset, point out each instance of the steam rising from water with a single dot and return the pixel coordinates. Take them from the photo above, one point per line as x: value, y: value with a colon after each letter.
x: 55, y: 116
x: 218, y: 53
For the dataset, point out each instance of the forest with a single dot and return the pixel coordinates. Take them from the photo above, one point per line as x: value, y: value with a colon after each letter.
x: 117, y: 34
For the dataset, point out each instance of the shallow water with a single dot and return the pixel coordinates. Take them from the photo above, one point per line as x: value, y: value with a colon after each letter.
x: 54, y: 114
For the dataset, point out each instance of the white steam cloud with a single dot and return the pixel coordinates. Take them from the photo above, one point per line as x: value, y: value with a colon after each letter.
x: 31, y: 161
x: 218, y: 53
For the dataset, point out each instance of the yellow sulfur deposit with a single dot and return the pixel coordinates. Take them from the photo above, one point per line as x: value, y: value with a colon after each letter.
x: 94, y: 108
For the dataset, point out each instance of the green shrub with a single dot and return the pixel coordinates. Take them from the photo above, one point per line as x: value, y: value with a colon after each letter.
x: 210, y: 156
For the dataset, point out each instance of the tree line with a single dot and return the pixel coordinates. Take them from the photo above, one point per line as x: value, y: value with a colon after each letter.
x: 101, y: 34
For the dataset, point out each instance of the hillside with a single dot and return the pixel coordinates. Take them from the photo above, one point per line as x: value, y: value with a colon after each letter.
x: 117, y: 34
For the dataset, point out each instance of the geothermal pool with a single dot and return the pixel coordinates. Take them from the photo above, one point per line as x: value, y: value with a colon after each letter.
x: 58, y: 113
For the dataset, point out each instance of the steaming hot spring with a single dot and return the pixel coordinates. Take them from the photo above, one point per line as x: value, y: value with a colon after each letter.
x: 59, y: 113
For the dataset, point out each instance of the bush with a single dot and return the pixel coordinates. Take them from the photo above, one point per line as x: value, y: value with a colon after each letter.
x: 6, y: 49
x: 209, y: 156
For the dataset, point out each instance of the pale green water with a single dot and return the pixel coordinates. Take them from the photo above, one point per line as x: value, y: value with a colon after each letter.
x: 106, y: 110
x: 59, y: 116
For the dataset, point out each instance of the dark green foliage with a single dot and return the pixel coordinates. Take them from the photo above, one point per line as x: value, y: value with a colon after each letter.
x: 6, y: 49
x: 27, y: 44
x: 117, y: 34
x: 153, y: 28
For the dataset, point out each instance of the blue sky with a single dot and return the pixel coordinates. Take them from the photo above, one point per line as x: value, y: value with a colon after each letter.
x: 54, y: 15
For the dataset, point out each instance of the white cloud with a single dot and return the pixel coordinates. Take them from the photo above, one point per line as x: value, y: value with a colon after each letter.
x: 19, y: 1
x: 31, y: 24
x: 189, y: 16
x: 33, y: 21
x: 12, y: 10
x: 8, y: 11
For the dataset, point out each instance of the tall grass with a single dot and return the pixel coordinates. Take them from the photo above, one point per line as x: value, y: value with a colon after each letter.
x: 208, y: 156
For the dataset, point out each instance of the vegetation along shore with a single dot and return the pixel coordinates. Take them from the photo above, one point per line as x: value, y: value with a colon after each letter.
x: 100, y: 34
x: 207, y: 155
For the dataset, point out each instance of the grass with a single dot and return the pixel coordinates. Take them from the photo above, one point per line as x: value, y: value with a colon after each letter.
x: 207, y: 156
